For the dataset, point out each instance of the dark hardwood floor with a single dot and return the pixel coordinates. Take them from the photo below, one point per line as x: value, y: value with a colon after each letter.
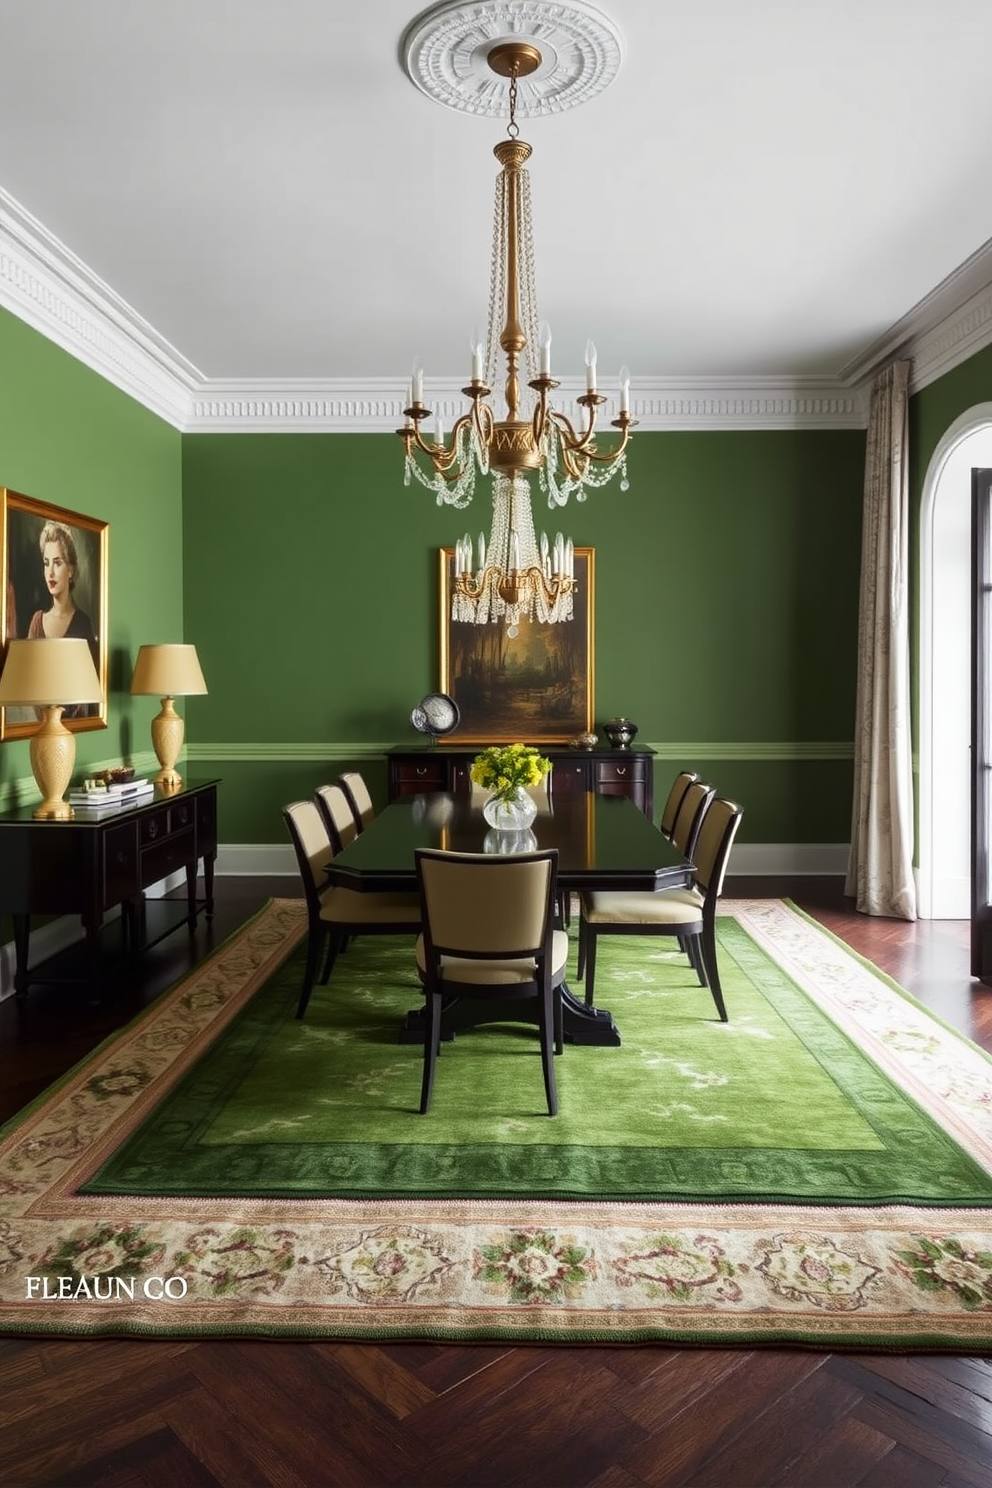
x: 135, y: 1414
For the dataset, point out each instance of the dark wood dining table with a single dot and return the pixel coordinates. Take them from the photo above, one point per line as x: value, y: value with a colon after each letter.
x: 603, y: 842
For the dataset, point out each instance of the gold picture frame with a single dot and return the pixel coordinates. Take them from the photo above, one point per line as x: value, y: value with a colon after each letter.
x: 83, y: 542
x: 537, y: 687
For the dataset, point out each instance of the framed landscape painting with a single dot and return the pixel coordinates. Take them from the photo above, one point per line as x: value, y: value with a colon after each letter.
x: 53, y: 564
x: 535, y: 687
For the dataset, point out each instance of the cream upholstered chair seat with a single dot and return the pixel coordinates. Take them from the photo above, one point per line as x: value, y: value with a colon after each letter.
x: 335, y: 912
x: 669, y: 907
x: 488, y: 933
x: 687, y: 914
x: 494, y: 973
x: 341, y: 906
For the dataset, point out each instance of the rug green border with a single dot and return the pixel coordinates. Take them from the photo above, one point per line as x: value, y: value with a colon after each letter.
x: 912, y: 1141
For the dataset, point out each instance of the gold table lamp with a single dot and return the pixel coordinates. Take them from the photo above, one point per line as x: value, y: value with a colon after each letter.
x: 167, y: 671
x: 50, y: 675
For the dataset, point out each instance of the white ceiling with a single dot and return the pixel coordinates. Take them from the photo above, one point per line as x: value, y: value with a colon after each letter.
x: 766, y: 188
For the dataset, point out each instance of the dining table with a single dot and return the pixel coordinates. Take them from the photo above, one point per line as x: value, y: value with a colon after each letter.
x: 603, y: 842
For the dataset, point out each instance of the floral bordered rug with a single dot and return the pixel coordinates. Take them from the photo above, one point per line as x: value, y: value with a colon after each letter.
x: 477, y: 1270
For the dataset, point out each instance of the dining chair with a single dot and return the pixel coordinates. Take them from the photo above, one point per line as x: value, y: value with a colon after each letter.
x: 488, y: 932
x: 335, y: 913
x: 691, y: 814
x: 670, y: 810
x: 335, y: 808
x: 688, y: 914
x: 359, y: 798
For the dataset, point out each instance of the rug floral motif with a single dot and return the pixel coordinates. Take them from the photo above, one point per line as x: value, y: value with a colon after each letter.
x: 899, y: 1276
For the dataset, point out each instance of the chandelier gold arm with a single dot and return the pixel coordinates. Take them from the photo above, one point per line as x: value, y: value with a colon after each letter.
x: 514, y: 585
x: 442, y: 456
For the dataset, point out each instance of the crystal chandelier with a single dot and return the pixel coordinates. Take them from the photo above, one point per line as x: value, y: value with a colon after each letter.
x: 514, y: 575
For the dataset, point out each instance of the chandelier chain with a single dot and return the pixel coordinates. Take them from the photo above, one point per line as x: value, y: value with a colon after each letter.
x: 513, y: 128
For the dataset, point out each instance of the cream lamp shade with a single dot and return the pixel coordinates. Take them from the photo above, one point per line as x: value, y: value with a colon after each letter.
x: 50, y: 675
x: 167, y: 671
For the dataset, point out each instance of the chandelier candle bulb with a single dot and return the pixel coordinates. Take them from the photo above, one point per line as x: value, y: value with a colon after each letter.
x: 417, y: 384
x: 482, y: 552
x: 476, y: 346
x: 544, y: 335
x: 514, y: 551
x: 590, y: 367
x: 624, y: 390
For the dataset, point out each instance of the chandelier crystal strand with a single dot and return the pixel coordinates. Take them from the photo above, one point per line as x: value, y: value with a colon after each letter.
x: 497, y: 279
x: 516, y: 577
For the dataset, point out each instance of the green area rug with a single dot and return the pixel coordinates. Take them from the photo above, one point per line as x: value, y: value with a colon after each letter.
x: 778, y: 1103
x: 815, y: 1173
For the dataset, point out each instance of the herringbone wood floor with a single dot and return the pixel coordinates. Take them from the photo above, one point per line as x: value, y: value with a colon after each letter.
x: 154, y: 1415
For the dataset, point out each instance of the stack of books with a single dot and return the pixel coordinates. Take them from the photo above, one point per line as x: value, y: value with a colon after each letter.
x: 113, y: 797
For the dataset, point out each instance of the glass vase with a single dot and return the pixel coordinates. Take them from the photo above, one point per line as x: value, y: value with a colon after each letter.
x: 514, y: 813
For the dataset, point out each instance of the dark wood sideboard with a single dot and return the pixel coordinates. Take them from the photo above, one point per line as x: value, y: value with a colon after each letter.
x: 608, y: 772
x: 87, y: 867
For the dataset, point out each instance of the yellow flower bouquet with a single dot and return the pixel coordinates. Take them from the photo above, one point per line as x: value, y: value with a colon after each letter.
x: 505, y: 768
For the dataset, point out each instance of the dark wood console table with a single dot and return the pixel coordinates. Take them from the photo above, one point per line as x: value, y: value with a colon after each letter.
x: 87, y: 866
x: 607, y: 772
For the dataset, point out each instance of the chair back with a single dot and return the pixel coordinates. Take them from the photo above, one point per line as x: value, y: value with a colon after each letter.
x: 716, y: 838
x: 338, y: 816
x: 475, y: 905
x: 359, y: 799
x: 690, y: 816
x: 670, y: 810
x: 314, y: 849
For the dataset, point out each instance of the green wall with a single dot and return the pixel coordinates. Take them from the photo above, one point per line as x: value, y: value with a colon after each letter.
x: 306, y: 573
x: 726, y: 612
x: 69, y: 437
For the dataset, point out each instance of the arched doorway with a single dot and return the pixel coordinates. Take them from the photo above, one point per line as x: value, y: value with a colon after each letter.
x: 944, y: 761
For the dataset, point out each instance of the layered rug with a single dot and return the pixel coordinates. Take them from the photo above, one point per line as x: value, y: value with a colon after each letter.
x: 817, y: 1171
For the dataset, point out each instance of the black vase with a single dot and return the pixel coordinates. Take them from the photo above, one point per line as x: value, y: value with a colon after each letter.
x: 620, y: 732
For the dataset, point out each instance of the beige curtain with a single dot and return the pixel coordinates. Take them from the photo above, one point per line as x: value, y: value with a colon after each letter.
x: 880, y: 868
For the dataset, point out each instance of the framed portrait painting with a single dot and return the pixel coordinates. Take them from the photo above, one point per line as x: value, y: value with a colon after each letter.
x: 536, y: 686
x: 53, y: 566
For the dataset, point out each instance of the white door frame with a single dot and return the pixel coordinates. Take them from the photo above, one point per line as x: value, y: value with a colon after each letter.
x: 938, y: 641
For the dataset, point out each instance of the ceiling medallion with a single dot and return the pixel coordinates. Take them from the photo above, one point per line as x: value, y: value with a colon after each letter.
x: 446, y: 54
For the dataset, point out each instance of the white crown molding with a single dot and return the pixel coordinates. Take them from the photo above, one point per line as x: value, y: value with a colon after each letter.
x: 946, y: 327
x: 376, y: 405
x: 44, y: 284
